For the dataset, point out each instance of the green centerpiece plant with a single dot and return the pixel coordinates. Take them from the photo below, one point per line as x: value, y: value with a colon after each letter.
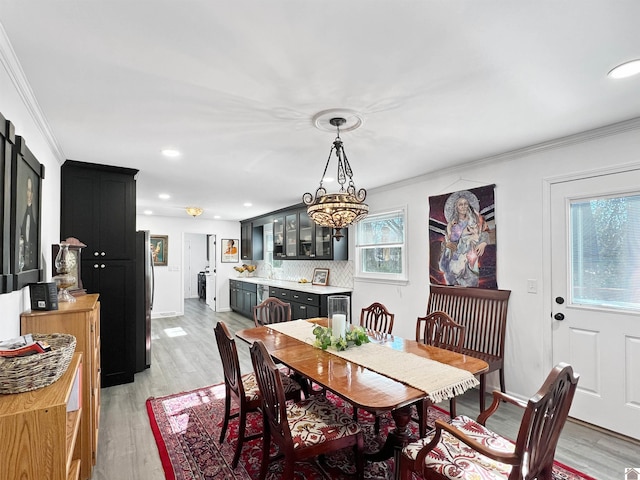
x: 325, y: 339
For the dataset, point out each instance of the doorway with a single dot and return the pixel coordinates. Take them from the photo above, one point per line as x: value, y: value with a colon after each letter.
x: 199, y: 267
x: 595, y: 294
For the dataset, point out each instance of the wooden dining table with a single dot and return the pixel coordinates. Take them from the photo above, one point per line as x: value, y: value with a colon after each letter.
x: 363, y: 388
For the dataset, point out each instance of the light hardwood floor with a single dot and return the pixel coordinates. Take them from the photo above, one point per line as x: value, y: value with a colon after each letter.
x: 185, y: 357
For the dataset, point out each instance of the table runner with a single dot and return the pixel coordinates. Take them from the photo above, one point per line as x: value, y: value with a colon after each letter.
x: 438, y: 380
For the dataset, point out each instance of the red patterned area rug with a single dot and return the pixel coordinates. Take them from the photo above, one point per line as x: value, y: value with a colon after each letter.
x: 187, y: 426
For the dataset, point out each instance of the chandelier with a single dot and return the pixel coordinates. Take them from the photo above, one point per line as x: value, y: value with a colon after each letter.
x: 194, y: 211
x: 341, y: 209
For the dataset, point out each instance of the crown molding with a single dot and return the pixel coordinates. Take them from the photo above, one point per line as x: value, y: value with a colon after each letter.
x: 582, y: 137
x: 11, y: 64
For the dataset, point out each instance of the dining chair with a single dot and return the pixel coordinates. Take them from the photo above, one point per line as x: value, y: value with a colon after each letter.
x: 243, y: 389
x: 308, y: 428
x: 271, y: 310
x: 467, y: 449
x: 378, y: 319
x: 438, y: 329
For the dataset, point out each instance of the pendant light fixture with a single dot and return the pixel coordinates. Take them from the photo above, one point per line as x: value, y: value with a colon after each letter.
x: 194, y: 211
x: 345, y: 207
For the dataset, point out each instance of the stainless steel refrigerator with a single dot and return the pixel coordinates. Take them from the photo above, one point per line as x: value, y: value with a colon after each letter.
x: 144, y: 299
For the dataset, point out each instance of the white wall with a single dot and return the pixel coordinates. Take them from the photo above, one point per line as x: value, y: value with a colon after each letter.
x: 522, y: 230
x: 169, y: 280
x: 14, y: 96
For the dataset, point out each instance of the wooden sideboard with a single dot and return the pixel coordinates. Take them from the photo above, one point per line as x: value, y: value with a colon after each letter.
x: 40, y: 429
x: 82, y: 320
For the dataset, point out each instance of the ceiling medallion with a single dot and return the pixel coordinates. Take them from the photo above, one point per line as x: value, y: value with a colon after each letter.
x: 194, y: 211
x: 345, y: 207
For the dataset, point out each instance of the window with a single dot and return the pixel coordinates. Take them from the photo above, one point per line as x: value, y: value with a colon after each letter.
x: 604, y: 251
x: 381, y: 246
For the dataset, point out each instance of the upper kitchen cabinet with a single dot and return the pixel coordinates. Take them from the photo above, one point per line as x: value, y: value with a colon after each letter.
x: 296, y: 237
x: 278, y: 237
x: 251, y: 241
x: 98, y: 208
x: 317, y: 243
x: 291, y: 235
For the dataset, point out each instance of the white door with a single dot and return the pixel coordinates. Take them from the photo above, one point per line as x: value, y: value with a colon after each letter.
x: 212, y: 275
x: 595, y: 267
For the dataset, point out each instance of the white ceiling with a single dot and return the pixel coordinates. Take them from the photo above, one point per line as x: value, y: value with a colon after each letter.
x: 234, y: 86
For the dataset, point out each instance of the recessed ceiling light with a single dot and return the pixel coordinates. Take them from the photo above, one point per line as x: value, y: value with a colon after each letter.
x: 626, y: 69
x: 170, y: 152
x: 164, y: 196
x: 216, y: 217
x: 148, y: 212
x: 248, y: 204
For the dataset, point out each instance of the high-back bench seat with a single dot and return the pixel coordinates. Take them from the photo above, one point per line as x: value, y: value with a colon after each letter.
x: 484, y: 314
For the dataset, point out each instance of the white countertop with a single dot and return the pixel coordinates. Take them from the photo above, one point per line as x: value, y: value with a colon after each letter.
x: 301, y: 287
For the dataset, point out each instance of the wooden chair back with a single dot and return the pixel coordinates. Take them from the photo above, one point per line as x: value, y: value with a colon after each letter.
x: 376, y: 317
x: 312, y: 415
x: 234, y: 389
x: 440, y: 330
x: 544, y: 417
x: 230, y: 363
x: 542, y: 423
x: 271, y: 310
x: 274, y: 409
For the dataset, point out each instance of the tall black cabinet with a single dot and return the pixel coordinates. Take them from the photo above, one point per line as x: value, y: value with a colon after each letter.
x: 98, y: 207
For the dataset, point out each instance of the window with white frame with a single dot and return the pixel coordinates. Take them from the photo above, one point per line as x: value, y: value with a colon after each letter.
x: 381, y: 251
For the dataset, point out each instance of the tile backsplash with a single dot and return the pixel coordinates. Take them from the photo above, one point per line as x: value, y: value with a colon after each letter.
x: 340, y: 272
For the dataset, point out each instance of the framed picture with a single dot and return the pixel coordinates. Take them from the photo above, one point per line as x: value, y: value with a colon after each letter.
x: 159, y: 249
x: 7, y: 139
x: 230, y: 253
x: 462, y: 238
x: 26, y: 196
x: 320, y: 276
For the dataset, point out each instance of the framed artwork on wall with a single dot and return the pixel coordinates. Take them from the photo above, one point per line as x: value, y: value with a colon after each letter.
x: 230, y: 253
x: 462, y: 238
x: 159, y: 249
x: 25, y: 229
x: 320, y: 276
x: 7, y: 138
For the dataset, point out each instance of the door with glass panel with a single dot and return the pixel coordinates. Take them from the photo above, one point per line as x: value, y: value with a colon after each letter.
x: 595, y: 284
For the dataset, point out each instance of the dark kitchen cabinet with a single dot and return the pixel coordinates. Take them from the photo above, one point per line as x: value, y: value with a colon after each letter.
x: 278, y: 237
x: 98, y: 208
x: 115, y: 280
x: 296, y: 237
x: 251, y: 241
x: 243, y: 297
x: 304, y: 305
x: 317, y: 243
x: 291, y: 235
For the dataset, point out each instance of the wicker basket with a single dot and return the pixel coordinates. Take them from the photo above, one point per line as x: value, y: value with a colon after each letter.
x: 23, y: 374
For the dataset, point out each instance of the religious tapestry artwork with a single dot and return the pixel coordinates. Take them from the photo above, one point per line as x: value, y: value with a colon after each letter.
x: 462, y: 238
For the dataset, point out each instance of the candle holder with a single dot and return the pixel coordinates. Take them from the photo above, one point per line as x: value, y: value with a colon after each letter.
x: 338, y: 307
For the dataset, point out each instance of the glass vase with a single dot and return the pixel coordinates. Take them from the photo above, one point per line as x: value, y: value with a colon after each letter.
x: 64, y: 279
x: 338, y: 308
